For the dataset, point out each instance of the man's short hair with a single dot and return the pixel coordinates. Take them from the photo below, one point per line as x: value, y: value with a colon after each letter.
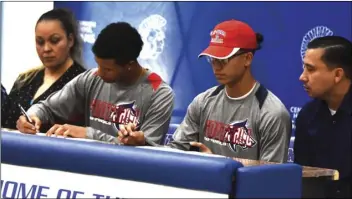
x: 337, y: 52
x: 119, y: 41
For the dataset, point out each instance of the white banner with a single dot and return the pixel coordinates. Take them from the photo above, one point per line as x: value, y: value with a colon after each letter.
x: 27, y: 182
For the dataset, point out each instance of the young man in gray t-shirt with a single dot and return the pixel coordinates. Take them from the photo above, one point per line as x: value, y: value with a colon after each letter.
x: 240, y: 118
x: 120, y: 91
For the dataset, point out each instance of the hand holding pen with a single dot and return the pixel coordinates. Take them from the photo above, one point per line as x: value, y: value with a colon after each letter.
x: 130, y: 134
x: 28, y: 124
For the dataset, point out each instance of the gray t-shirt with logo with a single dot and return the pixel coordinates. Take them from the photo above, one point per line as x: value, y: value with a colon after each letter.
x: 148, y: 103
x: 256, y: 126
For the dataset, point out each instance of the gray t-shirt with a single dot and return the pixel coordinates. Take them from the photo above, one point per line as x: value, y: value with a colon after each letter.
x: 148, y: 103
x: 256, y: 126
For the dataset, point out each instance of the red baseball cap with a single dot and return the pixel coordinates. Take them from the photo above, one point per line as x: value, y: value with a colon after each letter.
x: 228, y: 37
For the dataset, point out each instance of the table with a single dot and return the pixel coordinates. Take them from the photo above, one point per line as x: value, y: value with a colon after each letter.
x: 29, y: 163
x: 26, y: 150
x: 54, y: 136
x: 314, y: 179
x: 308, y: 172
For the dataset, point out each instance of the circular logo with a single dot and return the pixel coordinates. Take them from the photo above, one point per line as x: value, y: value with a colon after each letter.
x: 318, y: 31
x: 152, y: 30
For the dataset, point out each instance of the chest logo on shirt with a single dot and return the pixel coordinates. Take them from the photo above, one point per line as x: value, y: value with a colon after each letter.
x: 236, y: 134
x: 111, y: 114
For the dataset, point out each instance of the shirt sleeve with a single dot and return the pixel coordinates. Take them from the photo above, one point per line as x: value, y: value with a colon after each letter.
x: 275, y: 131
x: 158, y: 115
x: 188, y: 131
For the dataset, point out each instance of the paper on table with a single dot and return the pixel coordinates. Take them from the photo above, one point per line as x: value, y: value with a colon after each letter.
x: 54, y: 136
x: 180, y: 151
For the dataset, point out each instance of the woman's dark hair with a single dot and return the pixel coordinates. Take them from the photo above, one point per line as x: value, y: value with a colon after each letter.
x: 70, y: 26
x: 119, y: 41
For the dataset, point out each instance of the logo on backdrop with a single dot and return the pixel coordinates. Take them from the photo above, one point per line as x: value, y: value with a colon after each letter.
x: 294, y: 113
x: 318, y: 31
x: 152, y: 30
x: 86, y: 31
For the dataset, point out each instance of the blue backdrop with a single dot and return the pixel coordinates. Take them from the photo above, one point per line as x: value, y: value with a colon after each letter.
x: 175, y: 33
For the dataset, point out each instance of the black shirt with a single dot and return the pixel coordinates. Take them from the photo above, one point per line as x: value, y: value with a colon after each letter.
x: 3, y: 97
x: 324, y: 140
x: 24, y: 95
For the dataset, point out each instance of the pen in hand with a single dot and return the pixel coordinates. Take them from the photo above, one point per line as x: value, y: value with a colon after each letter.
x: 126, y: 132
x: 26, y: 115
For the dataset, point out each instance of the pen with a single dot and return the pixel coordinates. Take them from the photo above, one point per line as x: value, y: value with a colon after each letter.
x: 25, y: 114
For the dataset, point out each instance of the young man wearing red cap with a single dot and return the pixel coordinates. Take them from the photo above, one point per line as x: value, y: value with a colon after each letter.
x: 240, y: 118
